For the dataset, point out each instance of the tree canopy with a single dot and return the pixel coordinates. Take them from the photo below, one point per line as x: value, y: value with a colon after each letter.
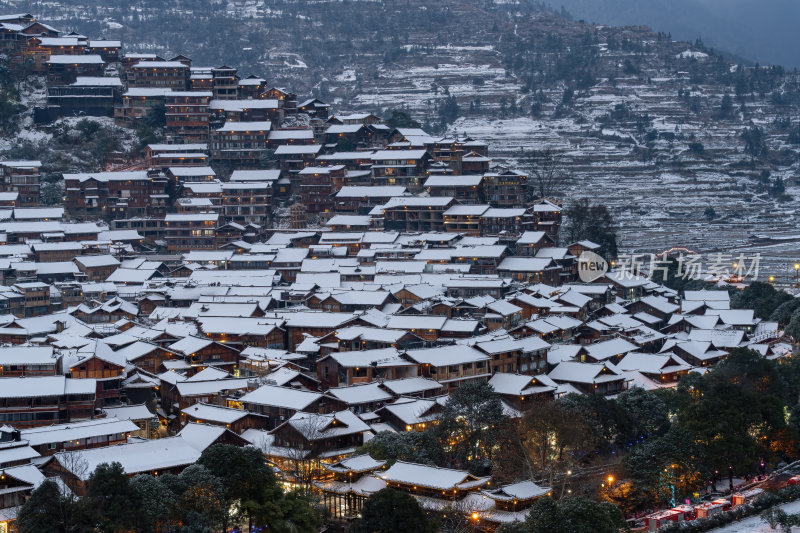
x: 569, y: 515
x: 392, y: 511
x: 227, y: 485
x: 592, y: 222
x: 399, y: 118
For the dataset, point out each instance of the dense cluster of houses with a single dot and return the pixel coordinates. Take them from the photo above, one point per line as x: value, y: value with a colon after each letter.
x: 351, y: 164
x: 309, y: 343
x: 162, y: 311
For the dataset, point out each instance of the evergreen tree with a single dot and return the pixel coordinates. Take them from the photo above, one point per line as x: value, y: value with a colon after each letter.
x: 399, y: 118
x: 448, y: 110
x: 392, y: 511
x: 41, y: 513
x: 157, y: 503
x: 754, y: 143
x: 411, y: 446
x: 201, y: 499
x: 114, y: 503
x: 569, y: 515
x: 726, y: 106
x: 471, y: 419
x: 592, y: 222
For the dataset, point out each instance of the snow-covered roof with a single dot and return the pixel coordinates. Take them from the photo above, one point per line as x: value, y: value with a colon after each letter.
x: 42, y: 386
x: 447, y: 355
x: 201, y: 436
x: 16, y: 452
x: 707, y: 296
x: 96, y: 81
x: 209, y: 373
x: 243, y: 105
x: 720, y: 338
x: 430, y: 476
x: 314, y: 426
x: 734, y: 317
x: 360, y: 393
x: 356, y: 465
x: 466, y: 210
x: 611, y: 348
x: 349, y: 220
x: 203, y: 388
x: 413, y: 385
x: 129, y: 412
x: 454, y: 181
x: 589, y: 373
x: 135, y: 457
x: 521, y: 385
x: 255, y: 175
x: 192, y: 171
x: 191, y: 217
x: 278, y: 135
x: 160, y: 64
x: 521, y: 490
x: 27, y: 355
x: 378, y: 191
x: 264, y: 125
x: 418, y: 201
x: 382, y: 357
x: 660, y: 304
x: 298, y: 149
x: 275, y: 396
x: 74, y: 431
x: 650, y: 363
x: 412, y: 411
x: 88, y: 59
x: 93, y: 261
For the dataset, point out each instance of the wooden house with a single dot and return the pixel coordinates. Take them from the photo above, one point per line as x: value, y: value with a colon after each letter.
x: 591, y: 378
x: 279, y: 404
x: 237, y: 420
x: 342, y: 369
x: 172, y: 75
x: 107, y: 369
x: 523, y: 391
x: 203, y: 352
x: 451, y: 365
x: 502, y: 189
x: 186, y: 114
x: 65, y: 69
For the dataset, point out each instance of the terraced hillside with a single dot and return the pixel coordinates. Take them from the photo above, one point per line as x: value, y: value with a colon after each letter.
x: 652, y: 127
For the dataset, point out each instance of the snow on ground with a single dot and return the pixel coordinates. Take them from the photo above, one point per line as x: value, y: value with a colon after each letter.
x: 657, y: 189
x: 692, y: 54
x: 513, y: 134
x: 754, y: 524
x: 347, y: 75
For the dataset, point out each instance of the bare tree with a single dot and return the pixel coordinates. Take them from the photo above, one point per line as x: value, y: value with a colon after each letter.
x: 551, y: 438
x: 295, y: 455
x: 547, y: 175
x: 76, y: 464
x: 75, y: 471
x: 459, y: 517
